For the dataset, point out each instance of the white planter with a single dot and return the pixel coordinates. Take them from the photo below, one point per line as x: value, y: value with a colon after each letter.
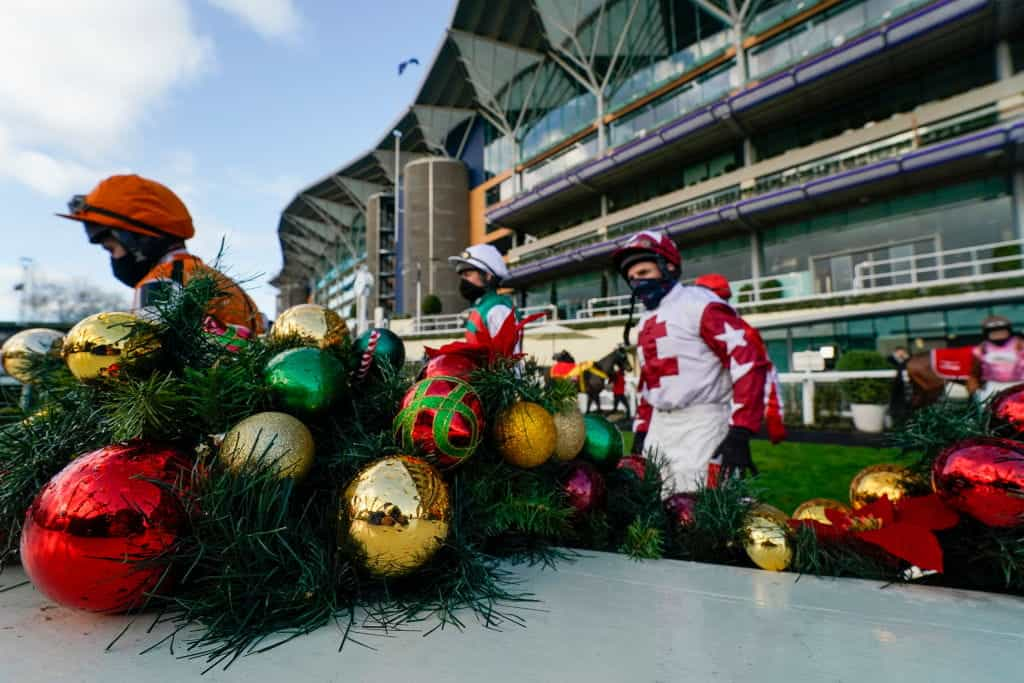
x: 868, y: 417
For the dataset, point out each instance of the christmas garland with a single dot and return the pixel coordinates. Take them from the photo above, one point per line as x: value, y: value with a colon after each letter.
x: 253, y: 490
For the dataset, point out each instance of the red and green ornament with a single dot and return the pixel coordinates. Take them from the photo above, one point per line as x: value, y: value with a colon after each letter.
x: 441, y: 418
x: 635, y: 465
x: 304, y: 381
x: 603, y: 444
x: 233, y: 338
x: 459, y: 365
x: 377, y: 348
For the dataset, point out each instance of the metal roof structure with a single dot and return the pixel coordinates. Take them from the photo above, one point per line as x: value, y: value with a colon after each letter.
x: 507, y: 61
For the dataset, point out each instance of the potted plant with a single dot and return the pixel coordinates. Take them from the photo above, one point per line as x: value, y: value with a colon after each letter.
x: 431, y: 305
x: 868, y: 396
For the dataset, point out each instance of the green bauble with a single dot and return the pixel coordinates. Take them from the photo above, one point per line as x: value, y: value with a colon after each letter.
x: 603, y: 444
x: 378, y: 347
x: 304, y: 381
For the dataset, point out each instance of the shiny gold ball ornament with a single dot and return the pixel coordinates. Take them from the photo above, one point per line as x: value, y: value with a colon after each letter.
x: 313, y: 324
x: 18, y: 351
x: 570, y: 433
x: 107, y: 345
x: 887, y: 479
x: 525, y: 434
x: 269, y: 440
x: 814, y: 509
x: 396, y: 513
x: 768, y: 542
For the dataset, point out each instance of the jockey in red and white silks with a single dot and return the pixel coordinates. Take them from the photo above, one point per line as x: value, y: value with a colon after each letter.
x: 702, y: 370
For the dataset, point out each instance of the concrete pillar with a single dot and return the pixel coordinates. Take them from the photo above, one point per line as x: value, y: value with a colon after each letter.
x: 1018, y: 202
x: 749, y: 153
x: 756, y: 262
x: 1004, y: 60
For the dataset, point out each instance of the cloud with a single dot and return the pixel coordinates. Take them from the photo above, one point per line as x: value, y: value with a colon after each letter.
x: 78, y: 77
x: 274, y: 19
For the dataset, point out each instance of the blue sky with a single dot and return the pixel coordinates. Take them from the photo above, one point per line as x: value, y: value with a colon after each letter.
x: 234, y: 104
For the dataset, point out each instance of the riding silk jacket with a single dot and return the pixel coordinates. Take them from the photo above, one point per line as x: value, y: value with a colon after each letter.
x: 487, y: 316
x: 233, y: 307
x: 694, y: 349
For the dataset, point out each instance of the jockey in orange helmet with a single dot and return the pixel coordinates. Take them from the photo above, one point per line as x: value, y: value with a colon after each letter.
x: 144, y: 226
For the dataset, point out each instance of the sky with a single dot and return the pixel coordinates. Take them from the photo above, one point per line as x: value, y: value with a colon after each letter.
x: 236, y: 105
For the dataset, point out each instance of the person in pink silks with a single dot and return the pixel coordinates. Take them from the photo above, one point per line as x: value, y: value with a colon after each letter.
x: 998, y: 359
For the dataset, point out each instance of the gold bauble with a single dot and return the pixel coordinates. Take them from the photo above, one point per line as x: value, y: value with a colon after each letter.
x: 871, y: 483
x: 525, y: 434
x: 18, y: 350
x: 269, y: 440
x: 396, y: 513
x: 814, y: 509
x: 106, y: 345
x: 570, y: 432
x: 768, y: 542
x: 313, y: 324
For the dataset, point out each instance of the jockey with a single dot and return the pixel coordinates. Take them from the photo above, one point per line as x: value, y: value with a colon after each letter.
x: 998, y: 359
x: 774, y: 406
x: 481, y: 270
x: 702, y: 370
x: 144, y: 226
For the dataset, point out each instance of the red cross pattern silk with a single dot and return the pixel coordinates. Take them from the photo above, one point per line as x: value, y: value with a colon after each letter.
x: 694, y: 349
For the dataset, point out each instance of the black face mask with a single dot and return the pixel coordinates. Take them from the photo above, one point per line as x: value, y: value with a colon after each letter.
x: 129, y: 270
x: 650, y: 291
x: 471, y: 292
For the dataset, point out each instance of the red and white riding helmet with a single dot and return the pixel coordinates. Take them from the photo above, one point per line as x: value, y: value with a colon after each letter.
x: 647, y: 246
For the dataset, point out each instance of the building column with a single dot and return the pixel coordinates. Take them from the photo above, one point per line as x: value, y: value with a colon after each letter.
x: 1017, y: 177
x: 756, y: 262
x: 1004, y: 60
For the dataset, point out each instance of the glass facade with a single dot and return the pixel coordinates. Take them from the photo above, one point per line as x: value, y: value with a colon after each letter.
x: 830, y: 246
x: 917, y: 331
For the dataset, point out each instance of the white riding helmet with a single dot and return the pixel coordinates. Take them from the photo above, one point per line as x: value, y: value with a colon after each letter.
x: 484, y: 257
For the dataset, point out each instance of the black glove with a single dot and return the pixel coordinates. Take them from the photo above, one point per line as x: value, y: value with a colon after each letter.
x: 734, y: 453
x: 638, y: 442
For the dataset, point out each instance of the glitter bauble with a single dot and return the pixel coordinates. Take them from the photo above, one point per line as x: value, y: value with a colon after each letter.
x: 20, y: 349
x: 396, y: 514
x: 681, y: 507
x: 984, y: 478
x: 95, y: 535
x: 767, y: 539
x: 311, y: 325
x: 441, y: 418
x: 572, y: 433
x: 525, y: 434
x: 583, y: 487
x: 107, y: 345
x: 273, y: 441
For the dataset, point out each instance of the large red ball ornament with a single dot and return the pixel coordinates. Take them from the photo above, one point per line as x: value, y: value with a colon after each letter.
x: 1007, y: 410
x: 983, y: 477
x: 97, y: 518
x: 442, y: 418
x: 450, y: 365
x: 634, y: 464
x: 680, y: 508
x: 584, y: 487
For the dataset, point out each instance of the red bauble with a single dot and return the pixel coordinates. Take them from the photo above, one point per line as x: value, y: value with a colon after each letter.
x: 680, y: 508
x: 442, y: 418
x: 1007, y: 409
x: 583, y: 486
x: 88, y: 527
x: 983, y: 477
x: 635, y: 464
x: 450, y: 365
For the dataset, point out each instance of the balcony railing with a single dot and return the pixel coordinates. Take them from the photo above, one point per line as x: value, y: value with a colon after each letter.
x: 983, y: 262
x: 454, y: 322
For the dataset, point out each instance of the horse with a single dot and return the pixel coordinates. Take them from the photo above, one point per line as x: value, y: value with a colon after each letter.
x: 594, y: 375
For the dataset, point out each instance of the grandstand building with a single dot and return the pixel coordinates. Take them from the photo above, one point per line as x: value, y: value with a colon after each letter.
x: 855, y: 168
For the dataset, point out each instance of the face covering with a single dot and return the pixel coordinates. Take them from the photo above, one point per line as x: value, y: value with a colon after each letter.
x: 650, y: 291
x: 129, y: 270
x: 471, y: 292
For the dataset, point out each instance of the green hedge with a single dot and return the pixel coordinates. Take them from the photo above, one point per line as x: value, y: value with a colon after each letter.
x: 866, y: 390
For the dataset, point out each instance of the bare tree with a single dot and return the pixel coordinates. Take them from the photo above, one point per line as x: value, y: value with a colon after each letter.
x: 69, y: 301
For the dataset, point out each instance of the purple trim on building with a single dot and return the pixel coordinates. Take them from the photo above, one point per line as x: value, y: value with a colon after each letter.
x: 868, y: 45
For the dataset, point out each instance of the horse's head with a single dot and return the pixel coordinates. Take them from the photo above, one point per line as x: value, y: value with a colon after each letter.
x: 622, y: 358
x: 563, y: 356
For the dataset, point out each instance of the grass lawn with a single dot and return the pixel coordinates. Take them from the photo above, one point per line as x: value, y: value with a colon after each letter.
x: 794, y: 472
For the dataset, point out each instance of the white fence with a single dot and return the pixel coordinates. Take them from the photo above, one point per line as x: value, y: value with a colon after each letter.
x: 808, y: 380
x: 454, y: 322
